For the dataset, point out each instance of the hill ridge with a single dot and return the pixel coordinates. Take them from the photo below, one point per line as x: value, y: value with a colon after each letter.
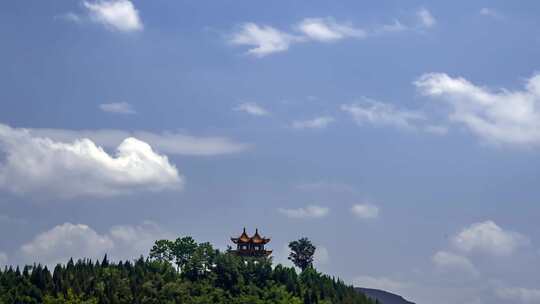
x: 384, y: 297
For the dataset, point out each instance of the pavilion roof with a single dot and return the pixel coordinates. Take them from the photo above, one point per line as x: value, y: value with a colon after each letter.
x: 246, y: 239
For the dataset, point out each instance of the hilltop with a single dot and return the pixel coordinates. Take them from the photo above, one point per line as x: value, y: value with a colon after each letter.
x: 188, y: 273
x: 384, y: 297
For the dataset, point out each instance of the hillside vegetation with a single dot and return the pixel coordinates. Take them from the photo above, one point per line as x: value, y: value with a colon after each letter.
x: 174, y: 273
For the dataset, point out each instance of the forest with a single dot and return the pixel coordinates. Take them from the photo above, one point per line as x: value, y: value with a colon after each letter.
x: 179, y: 271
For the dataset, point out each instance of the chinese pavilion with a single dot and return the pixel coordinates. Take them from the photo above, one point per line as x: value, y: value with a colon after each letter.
x: 251, y: 246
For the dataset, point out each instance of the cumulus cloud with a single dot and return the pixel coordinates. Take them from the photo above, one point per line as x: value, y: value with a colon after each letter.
x: 165, y: 142
x: 488, y: 238
x: 64, y: 241
x: 131, y: 241
x: 448, y: 261
x: 328, y: 30
x: 315, y: 123
x: 252, y: 108
x: 39, y: 165
x: 498, y: 116
x: 426, y: 18
x: 69, y: 240
x: 117, y: 107
x: 311, y: 211
x: 264, y: 40
x: 119, y: 15
x: 522, y: 295
x: 365, y: 211
x: 377, y: 113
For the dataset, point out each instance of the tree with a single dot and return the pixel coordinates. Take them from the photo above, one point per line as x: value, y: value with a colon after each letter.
x: 183, y: 250
x: 180, y: 250
x: 228, y: 272
x: 104, y: 262
x: 200, y: 262
x: 208, y: 276
x: 302, y: 252
x: 162, y: 251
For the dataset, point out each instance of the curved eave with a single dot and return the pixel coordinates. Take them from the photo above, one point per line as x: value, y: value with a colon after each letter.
x: 240, y: 241
x: 261, y: 241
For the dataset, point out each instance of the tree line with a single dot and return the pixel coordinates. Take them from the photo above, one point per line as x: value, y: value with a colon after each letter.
x: 179, y: 271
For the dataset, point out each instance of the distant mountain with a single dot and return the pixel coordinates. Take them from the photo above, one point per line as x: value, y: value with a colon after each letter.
x: 384, y: 297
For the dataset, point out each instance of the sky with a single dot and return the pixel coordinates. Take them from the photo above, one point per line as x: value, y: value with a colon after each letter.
x: 401, y: 137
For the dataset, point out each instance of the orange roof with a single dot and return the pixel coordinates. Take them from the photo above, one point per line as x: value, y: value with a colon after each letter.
x: 244, y: 237
x: 256, y: 238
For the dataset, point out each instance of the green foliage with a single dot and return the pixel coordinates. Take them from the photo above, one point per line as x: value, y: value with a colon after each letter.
x: 183, y: 250
x: 162, y: 251
x: 302, y: 252
x: 180, y: 251
x: 207, y: 276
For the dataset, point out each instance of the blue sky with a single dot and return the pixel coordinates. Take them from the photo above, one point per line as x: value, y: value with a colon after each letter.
x: 401, y: 137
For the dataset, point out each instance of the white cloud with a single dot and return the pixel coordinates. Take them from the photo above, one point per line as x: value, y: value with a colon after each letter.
x: 120, y: 15
x: 64, y: 241
x: 382, y: 283
x: 523, y: 295
x: 68, y: 240
x: 38, y: 165
x: 503, y: 116
x: 252, y: 108
x: 426, y: 18
x: 448, y: 261
x: 182, y: 144
x: 131, y: 241
x: 328, y: 30
x: 382, y: 114
x: 315, y: 123
x: 307, y: 212
x: 488, y: 238
x: 117, y: 107
x: 264, y: 39
x: 165, y: 142
x: 486, y: 11
x: 365, y: 211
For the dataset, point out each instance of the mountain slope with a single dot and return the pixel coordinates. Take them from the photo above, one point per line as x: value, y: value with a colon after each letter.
x: 383, y: 297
